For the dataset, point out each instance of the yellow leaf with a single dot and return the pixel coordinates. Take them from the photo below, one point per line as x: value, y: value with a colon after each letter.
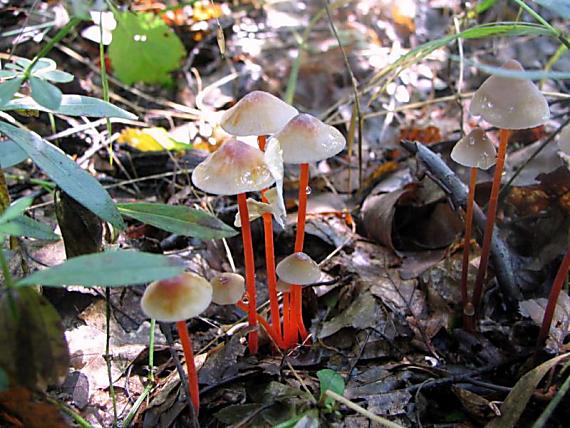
x: 150, y: 139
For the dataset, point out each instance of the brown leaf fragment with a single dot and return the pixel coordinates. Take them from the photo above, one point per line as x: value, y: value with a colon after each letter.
x: 362, y: 313
x: 4, y: 195
x: 392, y: 403
x: 474, y: 404
x: 223, y: 363
x: 18, y: 409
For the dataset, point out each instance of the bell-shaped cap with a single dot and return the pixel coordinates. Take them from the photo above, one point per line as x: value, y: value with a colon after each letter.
x: 298, y: 268
x: 228, y: 288
x: 306, y: 139
x: 258, y: 113
x: 177, y: 299
x: 564, y: 140
x: 510, y: 103
x: 234, y: 168
x: 475, y: 150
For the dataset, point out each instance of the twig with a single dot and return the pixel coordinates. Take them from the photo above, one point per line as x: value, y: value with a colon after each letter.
x: 457, y: 192
x: 378, y: 419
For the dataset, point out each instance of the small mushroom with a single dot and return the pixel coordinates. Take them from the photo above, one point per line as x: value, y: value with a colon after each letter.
x: 475, y: 151
x: 508, y: 103
x: 305, y: 139
x: 228, y: 288
x: 176, y: 300
x: 234, y: 169
x: 298, y: 268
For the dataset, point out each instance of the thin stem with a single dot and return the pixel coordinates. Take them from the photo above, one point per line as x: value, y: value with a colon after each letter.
x: 151, y: 351
x: 467, y: 237
x: 8, y: 280
x: 270, y: 331
x: 189, y: 357
x: 108, y: 353
x: 253, y: 339
x: 491, y: 214
x: 296, y: 319
x: 553, y: 298
x: 270, y: 258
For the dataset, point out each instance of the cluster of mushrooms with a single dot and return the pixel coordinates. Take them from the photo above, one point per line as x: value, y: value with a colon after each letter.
x: 509, y: 104
x: 236, y: 168
x: 285, y: 136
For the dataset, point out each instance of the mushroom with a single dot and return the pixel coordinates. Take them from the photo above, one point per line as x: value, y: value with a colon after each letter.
x: 474, y: 151
x: 234, y: 169
x: 228, y: 289
x: 176, y: 300
x: 298, y: 268
x: 259, y: 113
x: 305, y: 139
x: 508, y: 103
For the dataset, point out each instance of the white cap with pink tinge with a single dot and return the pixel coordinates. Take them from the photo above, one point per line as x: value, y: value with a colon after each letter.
x: 298, y: 268
x: 234, y: 168
x: 307, y: 139
x: 177, y: 299
x: 257, y: 113
x: 510, y: 103
x: 228, y: 288
x: 475, y: 150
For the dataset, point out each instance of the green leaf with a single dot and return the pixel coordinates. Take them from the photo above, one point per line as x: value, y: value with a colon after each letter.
x: 25, y: 226
x: 11, y: 154
x: 484, y: 5
x: 56, y: 76
x: 73, y: 105
x: 16, y: 209
x: 34, y: 351
x: 8, y: 89
x: 330, y: 380
x: 178, y: 219
x: 76, y: 182
x: 22, y: 62
x: 45, y: 94
x: 45, y: 64
x: 4, y: 381
x: 7, y: 74
x: 144, y: 49
x: 109, y: 269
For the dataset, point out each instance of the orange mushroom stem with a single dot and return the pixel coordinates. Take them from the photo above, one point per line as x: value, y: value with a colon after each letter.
x: 491, y: 214
x: 553, y: 298
x: 270, y: 257
x: 189, y: 357
x: 253, y: 339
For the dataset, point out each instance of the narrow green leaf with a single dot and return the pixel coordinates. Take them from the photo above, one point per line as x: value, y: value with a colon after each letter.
x: 11, y: 154
x: 28, y: 227
x: 109, y: 269
x: 45, y: 94
x: 178, y: 219
x: 73, y: 105
x: 76, y: 182
x: 484, y: 5
x: 16, y: 209
x: 57, y: 76
x: 330, y: 380
x: 8, y: 89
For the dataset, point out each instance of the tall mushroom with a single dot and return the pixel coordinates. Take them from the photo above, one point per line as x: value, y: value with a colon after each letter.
x: 176, y: 300
x: 564, y: 145
x: 474, y: 151
x: 507, y: 103
x: 261, y: 114
x: 305, y: 139
x: 234, y: 169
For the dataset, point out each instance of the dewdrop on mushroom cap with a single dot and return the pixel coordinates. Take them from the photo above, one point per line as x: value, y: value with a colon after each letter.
x: 298, y: 268
x: 234, y: 168
x: 257, y: 113
x: 475, y: 150
x: 177, y: 299
x: 307, y: 139
x: 509, y: 102
x: 228, y: 288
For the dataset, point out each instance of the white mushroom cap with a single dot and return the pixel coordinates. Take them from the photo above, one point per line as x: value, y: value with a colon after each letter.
x: 228, y: 288
x: 306, y: 139
x: 475, y: 150
x: 299, y: 269
x: 510, y: 103
x: 177, y: 299
x: 283, y: 287
x: 564, y: 140
x: 234, y: 168
x: 258, y: 113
